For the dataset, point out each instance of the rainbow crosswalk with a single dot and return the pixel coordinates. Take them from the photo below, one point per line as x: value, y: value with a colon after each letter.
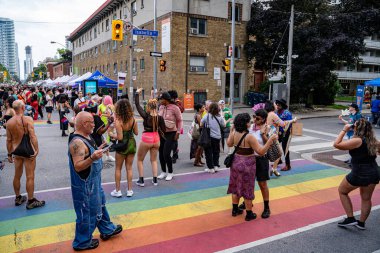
x: 192, y: 213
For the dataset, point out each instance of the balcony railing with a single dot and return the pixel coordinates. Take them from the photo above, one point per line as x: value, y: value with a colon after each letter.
x: 370, y: 60
x: 352, y: 75
x: 372, y: 44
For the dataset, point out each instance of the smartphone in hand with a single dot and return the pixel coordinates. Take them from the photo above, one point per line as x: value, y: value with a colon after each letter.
x: 106, y: 148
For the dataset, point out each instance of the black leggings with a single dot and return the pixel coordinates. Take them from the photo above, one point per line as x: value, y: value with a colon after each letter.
x: 40, y: 111
x: 212, y: 153
x: 284, y: 141
x: 166, y: 147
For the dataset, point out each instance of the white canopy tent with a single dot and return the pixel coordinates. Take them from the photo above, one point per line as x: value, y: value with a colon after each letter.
x: 80, y: 79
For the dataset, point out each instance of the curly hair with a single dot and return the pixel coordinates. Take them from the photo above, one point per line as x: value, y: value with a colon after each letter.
x: 240, y: 122
x: 213, y: 109
x: 269, y: 107
x: 364, y: 131
x: 123, y: 110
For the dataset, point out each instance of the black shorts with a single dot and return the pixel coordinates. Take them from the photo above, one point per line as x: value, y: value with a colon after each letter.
x: 363, y: 175
x: 49, y: 109
x: 262, y: 169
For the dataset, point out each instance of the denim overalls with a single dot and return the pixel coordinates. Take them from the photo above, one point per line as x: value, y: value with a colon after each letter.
x: 89, y: 202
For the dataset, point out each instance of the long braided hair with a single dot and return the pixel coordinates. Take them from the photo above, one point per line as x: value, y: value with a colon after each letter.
x: 364, y: 131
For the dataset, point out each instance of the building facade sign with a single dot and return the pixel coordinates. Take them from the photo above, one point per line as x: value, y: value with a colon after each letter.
x: 165, y: 36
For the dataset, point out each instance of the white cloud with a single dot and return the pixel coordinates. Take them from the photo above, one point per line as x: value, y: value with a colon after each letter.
x: 62, y: 17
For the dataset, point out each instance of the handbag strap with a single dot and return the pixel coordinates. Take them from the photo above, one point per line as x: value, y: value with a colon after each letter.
x: 241, y: 140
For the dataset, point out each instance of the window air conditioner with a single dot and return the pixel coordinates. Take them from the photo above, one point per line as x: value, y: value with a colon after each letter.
x: 194, y: 30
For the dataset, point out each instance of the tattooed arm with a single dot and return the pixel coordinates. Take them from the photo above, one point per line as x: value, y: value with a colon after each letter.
x: 79, y: 151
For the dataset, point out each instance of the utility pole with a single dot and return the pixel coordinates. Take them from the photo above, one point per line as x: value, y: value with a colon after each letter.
x: 290, y: 52
x: 232, y: 66
x: 155, y: 50
x: 131, y: 49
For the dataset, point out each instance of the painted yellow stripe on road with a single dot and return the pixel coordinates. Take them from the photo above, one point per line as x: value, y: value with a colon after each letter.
x: 65, y: 232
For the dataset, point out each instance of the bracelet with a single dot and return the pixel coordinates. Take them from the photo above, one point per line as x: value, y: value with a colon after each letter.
x: 91, y: 158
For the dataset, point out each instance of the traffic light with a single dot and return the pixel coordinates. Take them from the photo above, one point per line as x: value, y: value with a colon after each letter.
x: 40, y: 74
x: 32, y: 74
x: 226, y: 66
x: 5, y: 74
x: 162, y: 65
x: 117, y: 30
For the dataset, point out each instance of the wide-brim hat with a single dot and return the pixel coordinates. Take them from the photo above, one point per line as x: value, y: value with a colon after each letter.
x: 282, y: 102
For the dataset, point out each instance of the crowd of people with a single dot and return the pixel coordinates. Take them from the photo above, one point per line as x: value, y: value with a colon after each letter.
x: 100, y: 124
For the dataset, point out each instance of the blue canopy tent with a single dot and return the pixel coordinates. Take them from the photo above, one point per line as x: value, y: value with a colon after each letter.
x: 103, y: 81
x: 374, y: 82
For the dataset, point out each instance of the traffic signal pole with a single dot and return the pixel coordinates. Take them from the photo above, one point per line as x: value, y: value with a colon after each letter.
x: 155, y: 50
x: 131, y: 49
x: 290, y: 52
x: 232, y: 66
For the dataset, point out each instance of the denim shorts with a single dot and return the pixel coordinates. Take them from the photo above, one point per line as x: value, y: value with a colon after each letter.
x: 363, y: 174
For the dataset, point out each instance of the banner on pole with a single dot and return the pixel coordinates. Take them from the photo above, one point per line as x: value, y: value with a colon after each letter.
x: 120, y: 80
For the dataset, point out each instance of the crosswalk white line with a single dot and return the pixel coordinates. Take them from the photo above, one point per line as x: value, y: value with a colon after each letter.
x: 303, y: 138
x: 318, y: 132
x: 319, y: 145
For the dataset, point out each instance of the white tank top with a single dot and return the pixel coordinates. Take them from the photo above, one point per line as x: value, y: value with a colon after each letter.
x: 256, y: 133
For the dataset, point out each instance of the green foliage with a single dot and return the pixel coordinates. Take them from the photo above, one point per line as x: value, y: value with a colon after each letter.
x: 323, y: 35
x: 65, y: 54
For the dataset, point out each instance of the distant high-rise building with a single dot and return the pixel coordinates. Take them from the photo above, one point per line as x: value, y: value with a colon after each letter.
x: 68, y: 44
x: 7, y: 45
x: 17, y: 61
x: 28, y: 63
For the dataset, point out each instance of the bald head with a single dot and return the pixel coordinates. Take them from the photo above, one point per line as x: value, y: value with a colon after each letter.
x: 18, y: 106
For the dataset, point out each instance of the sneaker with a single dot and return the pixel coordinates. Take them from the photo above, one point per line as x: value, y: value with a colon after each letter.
x: 116, y: 194
x: 94, y: 244
x: 216, y: 168
x: 140, y: 183
x: 154, y: 181
x: 212, y: 171
x: 169, y: 177
x: 110, y: 159
x: 129, y: 193
x: 34, y: 203
x: 350, y: 221
x: 118, y: 230
x: 49, y: 122
x: 360, y: 225
x: 162, y: 175
x: 19, y: 200
x: 207, y: 170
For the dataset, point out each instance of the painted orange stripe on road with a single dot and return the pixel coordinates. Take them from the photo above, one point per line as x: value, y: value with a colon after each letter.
x: 138, y: 237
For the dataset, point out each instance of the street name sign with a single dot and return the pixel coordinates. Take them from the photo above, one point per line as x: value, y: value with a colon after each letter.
x: 150, y: 33
x: 156, y: 54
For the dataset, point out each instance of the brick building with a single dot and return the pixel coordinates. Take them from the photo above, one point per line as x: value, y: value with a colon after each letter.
x: 61, y: 69
x: 194, y: 42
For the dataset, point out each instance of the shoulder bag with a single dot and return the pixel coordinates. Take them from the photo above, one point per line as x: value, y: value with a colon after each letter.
x: 221, y: 131
x: 204, y: 139
x: 25, y: 148
x: 230, y: 158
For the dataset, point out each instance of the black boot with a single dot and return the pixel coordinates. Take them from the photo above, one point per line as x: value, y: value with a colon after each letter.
x: 250, y: 216
x: 235, y: 210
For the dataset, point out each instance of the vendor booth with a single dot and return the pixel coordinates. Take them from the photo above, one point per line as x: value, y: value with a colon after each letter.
x: 104, y: 85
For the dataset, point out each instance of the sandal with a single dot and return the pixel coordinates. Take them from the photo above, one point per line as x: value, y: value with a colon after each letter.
x: 286, y: 168
x: 198, y: 165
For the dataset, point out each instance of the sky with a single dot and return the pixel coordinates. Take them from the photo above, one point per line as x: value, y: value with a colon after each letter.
x: 37, y: 22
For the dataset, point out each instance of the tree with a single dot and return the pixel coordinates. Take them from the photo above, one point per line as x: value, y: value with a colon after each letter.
x: 65, y: 54
x: 324, y: 35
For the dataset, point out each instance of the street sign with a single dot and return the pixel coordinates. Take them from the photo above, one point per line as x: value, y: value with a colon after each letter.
x: 155, y: 54
x: 128, y: 26
x: 150, y: 33
x: 138, y: 50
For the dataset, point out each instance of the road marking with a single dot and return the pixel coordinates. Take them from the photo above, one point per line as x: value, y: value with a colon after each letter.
x: 318, y: 132
x: 303, y: 138
x: 311, y: 146
x: 289, y: 233
x: 125, y: 181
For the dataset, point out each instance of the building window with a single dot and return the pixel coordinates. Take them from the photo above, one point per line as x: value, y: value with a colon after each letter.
x: 109, y: 47
x: 197, y: 64
x: 142, y: 64
x: 126, y: 66
x: 238, y: 12
x: 103, y: 69
x: 125, y: 38
x: 121, y: 66
x: 96, y: 51
x: 101, y: 48
x: 114, y: 47
x: 134, y: 66
x: 142, y: 4
x: 120, y: 15
x: 134, y: 8
x: 237, y: 52
x: 115, y: 68
x: 98, y: 28
x: 198, y: 26
x: 90, y: 35
x: 107, y: 24
x: 102, y: 26
x: 95, y: 33
x: 108, y: 69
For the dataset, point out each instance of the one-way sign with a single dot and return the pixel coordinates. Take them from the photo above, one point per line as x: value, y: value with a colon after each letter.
x: 150, y: 33
x: 156, y: 54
